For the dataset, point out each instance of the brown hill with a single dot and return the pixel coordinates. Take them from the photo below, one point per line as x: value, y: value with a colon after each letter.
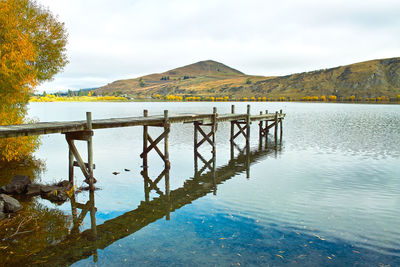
x: 209, y: 78
x: 160, y: 82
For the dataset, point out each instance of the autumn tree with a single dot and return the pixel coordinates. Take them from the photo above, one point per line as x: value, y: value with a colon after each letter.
x: 32, y: 50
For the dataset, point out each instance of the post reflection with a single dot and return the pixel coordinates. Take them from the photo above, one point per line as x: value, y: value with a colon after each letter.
x: 208, y: 166
x: 79, y: 211
x: 150, y: 185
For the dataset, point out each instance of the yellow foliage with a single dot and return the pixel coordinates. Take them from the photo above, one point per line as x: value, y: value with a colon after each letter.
x: 32, y: 50
x: 53, y: 98
x: 312, y: 98
x: 174, y: 97
x: 332, y: 98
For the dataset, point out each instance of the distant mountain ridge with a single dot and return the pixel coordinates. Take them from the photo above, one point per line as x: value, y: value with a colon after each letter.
x: 380, y: 77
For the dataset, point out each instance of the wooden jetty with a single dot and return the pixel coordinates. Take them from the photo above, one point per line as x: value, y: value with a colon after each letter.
x: 204, y: 124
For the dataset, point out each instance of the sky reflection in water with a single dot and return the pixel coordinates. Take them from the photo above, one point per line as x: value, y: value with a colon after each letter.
x: 329, y: 196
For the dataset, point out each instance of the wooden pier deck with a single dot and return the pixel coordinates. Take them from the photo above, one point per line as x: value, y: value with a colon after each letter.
x: 42, y: 128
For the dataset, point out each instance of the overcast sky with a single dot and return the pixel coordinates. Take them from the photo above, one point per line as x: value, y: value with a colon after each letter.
x: 120, y: 39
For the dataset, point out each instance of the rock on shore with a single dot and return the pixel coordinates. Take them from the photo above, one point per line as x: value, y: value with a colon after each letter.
x: 8, y: 205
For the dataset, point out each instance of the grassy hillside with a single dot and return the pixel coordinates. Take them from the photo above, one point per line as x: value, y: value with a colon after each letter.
x: 209, y: 78
x: 171, y: 81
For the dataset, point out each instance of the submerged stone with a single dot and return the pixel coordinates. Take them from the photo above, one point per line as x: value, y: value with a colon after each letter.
x: 57, y: 192
x: 44, y: 189
x: 10, y: 203
x: 57, y: 196
x: 17, y: 185
x: 33, y: 190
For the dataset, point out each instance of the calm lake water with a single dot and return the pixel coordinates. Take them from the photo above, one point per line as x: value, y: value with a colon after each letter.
x: 329, y: 195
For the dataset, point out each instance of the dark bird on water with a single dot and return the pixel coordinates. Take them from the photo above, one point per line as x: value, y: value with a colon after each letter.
x: 115, y: 173
x: 127, y: 170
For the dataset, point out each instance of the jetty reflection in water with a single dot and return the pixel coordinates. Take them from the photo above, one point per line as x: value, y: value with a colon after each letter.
x: 81, y: 245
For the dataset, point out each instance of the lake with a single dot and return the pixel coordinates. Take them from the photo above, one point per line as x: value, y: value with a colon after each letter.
x: 328, y: 195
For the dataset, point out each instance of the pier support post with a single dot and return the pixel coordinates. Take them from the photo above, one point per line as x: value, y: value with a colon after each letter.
x: 261, y: 132
x: 90, y: 149
x: 276, y: 128
x: 144, y: 165
x: 232, y: 133
x: 280, y: 126
x: 214, y: 130
x: 266, y: 130
x: 86, y: 168
x: 214, y: 152
x: 248, y: 122
x: 166, y: 140
x: 70, y: 166
x: 145, y: 137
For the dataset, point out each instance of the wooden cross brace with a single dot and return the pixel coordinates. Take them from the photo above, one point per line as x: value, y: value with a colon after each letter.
x: 154, y: 143
x: 206, y: 137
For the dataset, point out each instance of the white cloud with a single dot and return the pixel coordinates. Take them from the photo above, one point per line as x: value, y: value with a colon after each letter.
x: 110, y: 40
